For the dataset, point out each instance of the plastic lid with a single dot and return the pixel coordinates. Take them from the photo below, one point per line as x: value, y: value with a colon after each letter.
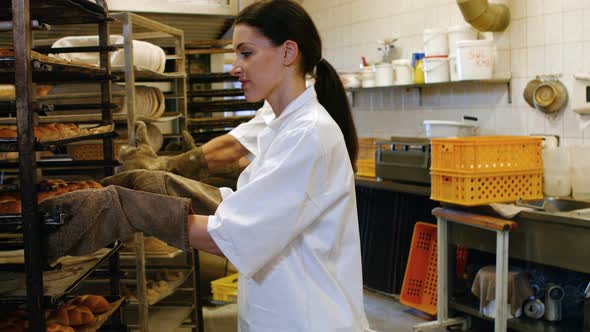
x: 402, y: 62
x: 451, y: 123
x: 478, y: 42
x: 461, y: 27
x: 384, y: 65
x: 436, y: 57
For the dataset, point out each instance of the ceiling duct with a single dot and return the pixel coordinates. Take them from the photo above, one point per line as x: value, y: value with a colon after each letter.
x: 485, y: 16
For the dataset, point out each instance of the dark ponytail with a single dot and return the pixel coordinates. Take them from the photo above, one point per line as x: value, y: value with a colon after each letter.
x: 332, y: 96
x: 282, y: 20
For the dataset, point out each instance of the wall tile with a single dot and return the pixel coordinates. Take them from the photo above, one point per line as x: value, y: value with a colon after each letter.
x: 554, y: 28
x: 536, y: 61
x: 573, y: 24
x: 534, y: 7
x: 518, y: 62
x: 553, y: 59
x: 518, y: 33
x: 573, y: 58
x: 517, y: 9
x: 535, y: 27
x: 545, y: 36
x: 553, y: 6
x: 554, y: 124
x: 575, y: 4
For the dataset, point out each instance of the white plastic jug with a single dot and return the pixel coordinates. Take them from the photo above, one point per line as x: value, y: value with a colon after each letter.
x: 556, y: 172
x: 384, y: 74
x: 460, y: 32
x: 403, y: 72
x: 580, y: 164
x: 436, y: 69
x: 436, y: 42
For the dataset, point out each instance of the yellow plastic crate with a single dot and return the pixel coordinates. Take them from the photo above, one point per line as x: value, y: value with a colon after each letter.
x: 488, y: 154
x: 225, y: 289
x: 486, y: 188
x: 365, y: 167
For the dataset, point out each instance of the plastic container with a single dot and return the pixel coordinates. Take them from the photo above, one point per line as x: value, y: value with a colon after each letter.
x: 225, y: 289
x: 475, y: 59
x: 481, y: 170
x: 436, y: 69
x: 403, y: 72
x: 418, y: 64
x: 556, y: 172
x: 440, y: 128
x: 580, y: 164
x: 419, y: 289
x: 384, y: 74
x: 497, y: 154
x: 453, y: 68
x: 460, y: 32
x: 486, y: 188
x: 436, y: 42
x: 367, y: 77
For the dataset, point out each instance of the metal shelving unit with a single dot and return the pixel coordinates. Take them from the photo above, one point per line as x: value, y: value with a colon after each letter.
x: 24, y: 67
x: 154, y: 31
x: 207, y: 106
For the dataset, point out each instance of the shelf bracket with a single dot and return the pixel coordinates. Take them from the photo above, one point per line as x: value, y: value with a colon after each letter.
x: 509, y: 87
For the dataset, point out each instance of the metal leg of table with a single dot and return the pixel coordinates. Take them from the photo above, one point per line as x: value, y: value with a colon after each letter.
x: 442, y: 304
x: 501, y: 281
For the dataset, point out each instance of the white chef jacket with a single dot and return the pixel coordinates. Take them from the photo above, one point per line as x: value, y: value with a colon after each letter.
x: 291, y: 227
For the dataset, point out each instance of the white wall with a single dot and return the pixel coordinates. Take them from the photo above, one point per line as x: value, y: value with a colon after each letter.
x: 544, y: 37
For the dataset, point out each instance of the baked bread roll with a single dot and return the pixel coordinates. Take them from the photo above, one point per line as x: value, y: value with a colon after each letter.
x: 73, y: 315
x: 13, y: 324
x: 96, y: 303
x: 54, y: 327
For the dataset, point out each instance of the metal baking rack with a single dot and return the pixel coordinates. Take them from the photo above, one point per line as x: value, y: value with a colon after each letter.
x: 56, y: 300
x: 22, y: 68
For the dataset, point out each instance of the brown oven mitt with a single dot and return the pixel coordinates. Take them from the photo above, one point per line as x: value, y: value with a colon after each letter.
x: 190, y: 164
x: 204, y: 198
x: 97, y: 217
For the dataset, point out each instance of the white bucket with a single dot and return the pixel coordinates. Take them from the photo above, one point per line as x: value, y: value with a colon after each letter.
x: 453, y: 68
x: 460, y: 32
x: 436, y: 42
x: 384, y: 74
x: 556, y: 172
x: 580, y: 163
x: 367, y: 77
x: 403, y: 72
x: 436, y: 69
x: 475, y: 59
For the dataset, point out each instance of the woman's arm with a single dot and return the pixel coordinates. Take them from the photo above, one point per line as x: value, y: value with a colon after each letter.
x: 198, y: 236
x: 223, y: 150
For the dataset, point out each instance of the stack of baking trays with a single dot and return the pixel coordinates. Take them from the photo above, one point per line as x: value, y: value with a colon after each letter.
x: 215, y: 105
x: 35, y: 290
x: 403, y: 159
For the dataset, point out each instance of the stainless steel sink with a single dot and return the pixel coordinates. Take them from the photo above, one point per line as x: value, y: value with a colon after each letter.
x: 555, y: 204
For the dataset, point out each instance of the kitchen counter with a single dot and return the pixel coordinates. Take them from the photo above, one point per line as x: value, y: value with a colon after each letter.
x: 403, y: 187
x: 556, y: 239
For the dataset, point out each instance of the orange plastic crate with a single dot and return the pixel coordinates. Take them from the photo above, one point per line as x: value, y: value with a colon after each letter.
x: 419, y: 290
x: 487, y: 188
x: 490, y: 154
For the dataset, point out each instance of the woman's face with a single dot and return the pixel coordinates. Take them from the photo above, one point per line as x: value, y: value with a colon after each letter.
x: 258, y: 64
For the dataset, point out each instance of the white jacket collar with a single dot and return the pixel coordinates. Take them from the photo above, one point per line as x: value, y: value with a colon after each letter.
x: 272, y: 121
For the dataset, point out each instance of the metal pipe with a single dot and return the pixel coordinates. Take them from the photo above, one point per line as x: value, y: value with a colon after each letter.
x: 484, y: 16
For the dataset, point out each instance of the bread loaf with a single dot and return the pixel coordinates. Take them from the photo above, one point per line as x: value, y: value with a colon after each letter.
x: 54, y: 327
x: 73, y: 315
x: 96, y: 303
x: 11, y: 202
x: 13, y: 324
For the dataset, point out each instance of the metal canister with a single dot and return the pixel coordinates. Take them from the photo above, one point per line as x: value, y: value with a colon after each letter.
x: 534, y: 309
